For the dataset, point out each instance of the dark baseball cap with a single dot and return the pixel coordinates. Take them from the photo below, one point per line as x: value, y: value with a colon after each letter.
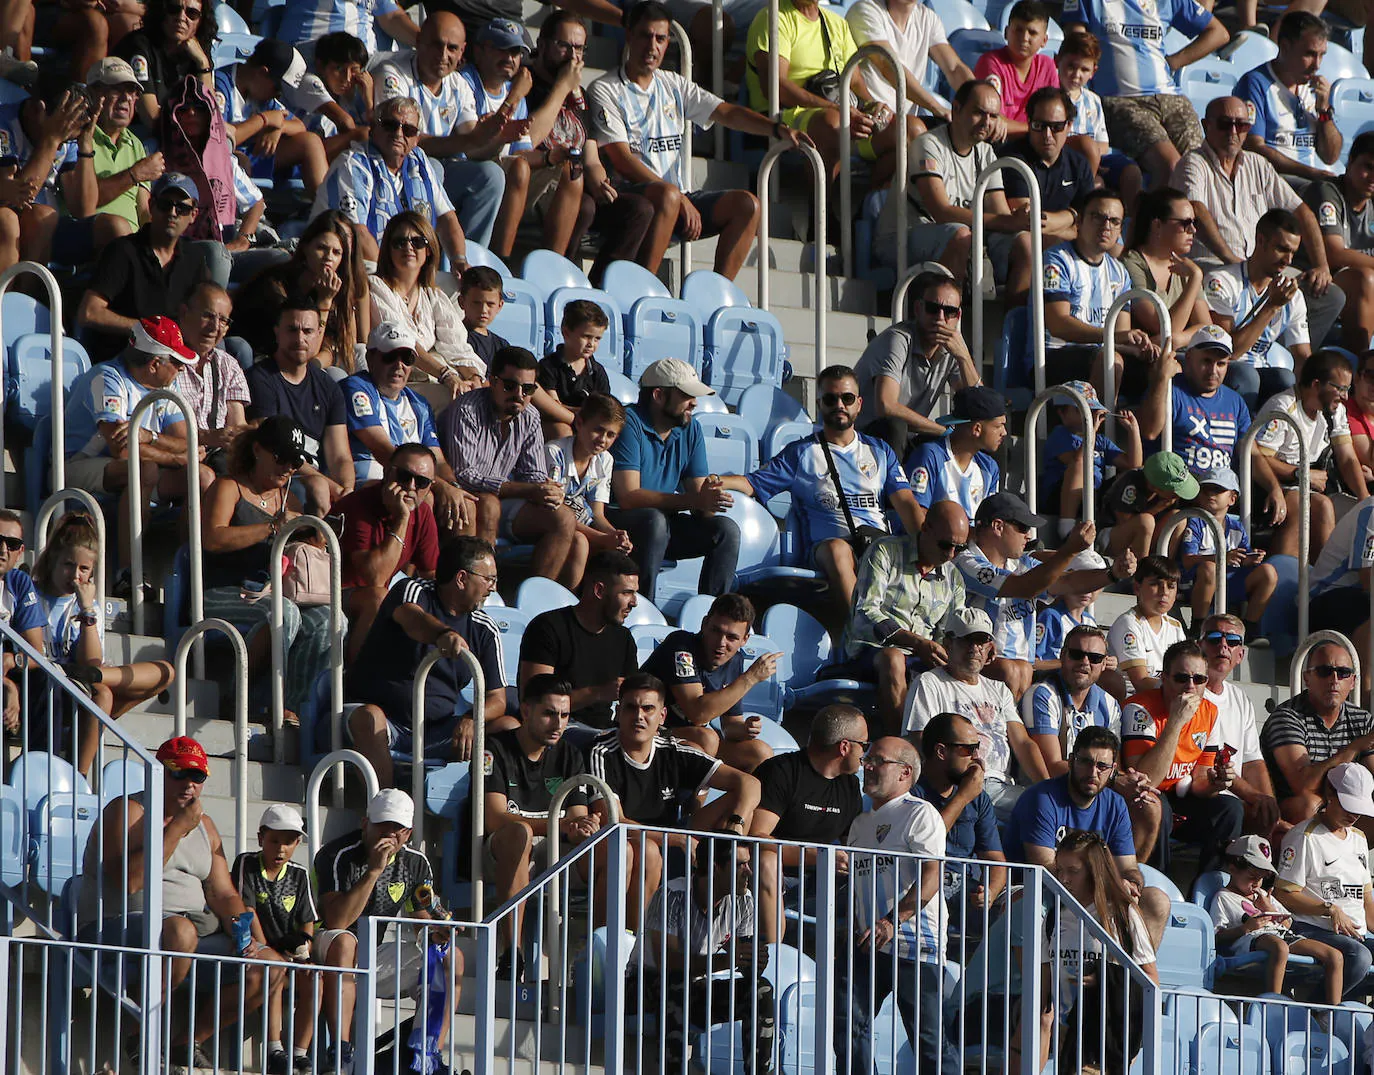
x: 1008, y: 507
x: 283, y: 436
x: 276, y: 56
x: 977, y: 404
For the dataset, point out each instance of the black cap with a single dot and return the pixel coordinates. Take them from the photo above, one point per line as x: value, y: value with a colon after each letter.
x: 1009, y: 507
x: 276, y: 56
x: 283, y: 436
x: 977, y: 404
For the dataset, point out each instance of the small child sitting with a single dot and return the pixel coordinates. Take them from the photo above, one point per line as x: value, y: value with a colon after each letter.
x: 1063, y: 448
x: 571, y: 373
x: 582, y: 462
x: 1247, y: 917
x: 481, y: 294
x: 1018, y: 68
x: 1246, y: 571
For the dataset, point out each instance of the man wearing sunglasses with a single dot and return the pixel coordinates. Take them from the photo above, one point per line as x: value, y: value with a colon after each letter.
x: 1170, y: 737
x: 1315, y: 731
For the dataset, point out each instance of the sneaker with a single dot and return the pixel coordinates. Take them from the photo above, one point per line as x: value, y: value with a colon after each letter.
x: 278, y: 1063
x: 302, y: 1065
x: 510, y: 967
x: 338, y: 1059
x: 20, y: 72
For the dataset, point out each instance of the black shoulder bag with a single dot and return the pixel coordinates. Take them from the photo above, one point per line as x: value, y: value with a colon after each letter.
x: 825, y: 83
x: 860, y: 537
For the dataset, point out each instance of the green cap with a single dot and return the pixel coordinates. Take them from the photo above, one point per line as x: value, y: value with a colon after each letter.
x: 1167, y: 472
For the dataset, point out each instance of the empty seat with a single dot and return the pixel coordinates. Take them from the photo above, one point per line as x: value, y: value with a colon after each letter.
x: 480, y: 255
x: 959, y: 15
x: 730, y: 444
x: 1203, y: 81
x: 647, y: 637
x: 1352, y: 100
x: 548, y: 272
x: 693, y: 613
x: 624, y: 389
x: 645, y: 611
x: 656, y: 324
x: 28, y: 381
x: 538, y: 595
x: 14, y: 837
x: 707, y: 291
x: 521, y: 320
x: 766, y: 407
x: 63, y: 825
x: 1340, y: 63
x: 1246, y: 50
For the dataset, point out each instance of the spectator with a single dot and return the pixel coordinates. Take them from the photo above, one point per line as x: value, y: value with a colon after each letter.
x: 341, y: 64
x: 960, y: 687
x: 199, y: 902
x: 1156, y: 258
x: 907, y: 590
x: 1169, y: 735
x: 1071, y: 610
x: 481, y: 295
x: 449, y: 124
x: 1092, y: 796
x: 1248, y: 578
x: 388, y: 529
x: 960, y: 465
x: 243, y: 512
x: 904, y: 370
x: 639, y: 113
x: 898, y: 922
x: 1140, y: 636
x: 812, y: 795
x: 212, y: 382
x: 403, y: 292
x: 1331, y: 898
x: 588, y: 643
x: 1148, y: 119
x: 1347, y: 235
x: 289, y: 382
x: 373, y: 872
x: 1076, y: 63
x: 945, y: 165
x: 916, y: 35
x: 1057, y: 709
x: 570, y: 372
x: 1293, y: 126
x: 177, y: 41
x: 19, y: 604
x: 1063, y: 470
x: 1312, y: 733
x: 582, y: 464
x: 660, y: 451
x: 1223, y: 644
x: 1231, y: 188
x: 1358, y: 409
x: 1019, y: 70
x: 840, y: 481
x: 306, y: 24
x: 148, y: 273
x: 1081, y: 282
x: 491, y: 438
x: 1317, y: 404
x: 1340, y: 587
x: 373, y: 183
x: 1260, y: 305
x: 1138, y: 501
x: 707, y: 682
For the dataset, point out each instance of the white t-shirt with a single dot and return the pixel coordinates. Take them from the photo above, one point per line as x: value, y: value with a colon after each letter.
x: 869, y: 20
x: 1133, y: 642
x: 987, y: 703
x: 906, y: 824
x: 1235, y: 725
x: 1076, y: 952
x: 932, y: 154
x: 1278, y: 439
x: 1317, y: 861
x: 1230, y: 909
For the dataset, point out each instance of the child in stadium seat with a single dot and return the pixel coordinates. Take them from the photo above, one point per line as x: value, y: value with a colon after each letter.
x: 278, y: 891
x: 1076, y: 62
x: 582, y: 463
x: 1140, y: 636
x: 1063, y: 473
x: 1018, y: 68
x: 1054, y: 622
x: 1247, y: 576
x: 481, y: 295
x: 570, y: 372
x: 341, y: 64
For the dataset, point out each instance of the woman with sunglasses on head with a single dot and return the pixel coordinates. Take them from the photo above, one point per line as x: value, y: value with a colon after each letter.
x: 1162, y: 233
x: 241, y: 516
x: 177, y: 40
x: 74, y: 636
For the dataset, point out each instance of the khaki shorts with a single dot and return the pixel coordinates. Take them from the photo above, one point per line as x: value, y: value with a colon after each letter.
x: 88, y: 472
x: 1137, y: 124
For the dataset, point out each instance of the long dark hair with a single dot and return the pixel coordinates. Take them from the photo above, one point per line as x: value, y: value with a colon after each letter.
x: 339, y: 328
x: 156, y: 18
x: 1109, y: 901
x: 1153, y: 205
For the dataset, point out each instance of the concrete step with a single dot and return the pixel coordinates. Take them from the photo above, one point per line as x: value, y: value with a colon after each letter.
x: 797, y: 290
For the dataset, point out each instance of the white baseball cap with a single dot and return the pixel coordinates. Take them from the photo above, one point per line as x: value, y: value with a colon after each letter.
x: 394, y: 806
x: 391, y: 336
x: 675, y: 373
x: 281, y: 817
x: 970, y: 621
x: 1354, y: 788
x: 1253, y: 851
x: 1211, y: 336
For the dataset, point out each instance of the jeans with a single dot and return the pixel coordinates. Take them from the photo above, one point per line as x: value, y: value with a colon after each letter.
x: 680, y: 536
x: 1211, y: 823
x: 917, y: 984
x: 1322, y: 312
x: 1358, y: 952
x: 475, y: 188
x: 1257, y: 385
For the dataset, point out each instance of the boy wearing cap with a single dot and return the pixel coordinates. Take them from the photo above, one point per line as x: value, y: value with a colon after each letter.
x: 1140, y: 636
x: 1139, y: 501
x: 1063, y: 474
x: 1247, y: 572
x: 660, y: 451
x: 1069, y: 611
x: 1248, y: 918
x: 278, y: 891
x: 960, y: 466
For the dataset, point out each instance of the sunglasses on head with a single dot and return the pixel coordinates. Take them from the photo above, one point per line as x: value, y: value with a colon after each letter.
x: 1183, y: 679
x: 175, y: 207
x: 406, y: 477
x: 394, y: 125
x: 939, y: 309
x: 1340, y: 671
x: 512, y: 385
x: 414, y: 242
x: 195, y: 776
x: 1218, y: 637
x: 1076, y: 654
x: 831, y: 399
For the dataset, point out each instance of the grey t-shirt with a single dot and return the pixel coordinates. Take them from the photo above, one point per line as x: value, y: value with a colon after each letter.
x: 1335, y: 216
x: 932, y: 154
x: 891, y: 354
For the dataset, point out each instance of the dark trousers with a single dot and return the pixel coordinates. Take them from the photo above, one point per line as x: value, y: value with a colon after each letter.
x: 688, y: 1006
x: 856, y: 1007
x: 681, y: 535
x: 1211, y: 823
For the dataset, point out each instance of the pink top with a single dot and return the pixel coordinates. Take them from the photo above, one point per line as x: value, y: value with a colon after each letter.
x: 1000, y: 69
x: 1359, y: 421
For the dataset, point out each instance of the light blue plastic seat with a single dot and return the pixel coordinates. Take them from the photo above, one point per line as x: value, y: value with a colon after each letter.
x: 624, y: 389
x: 766, y: 407
x: 1203, y: 81
x: 480, y: 255
x: 730, y: 444
x: 548, y: 272
x: 537, y: 594
x: 14, y: 837
x: 63, y: 826
x: 1245, y: 51
x: 647, y: 638
x: 959, y: 15
x: 28, y: 382
x: 693, y: 613
x: 1340, y: 63
x: 645, y: 611
x: 121, y: 777
x: 711, y: 405
x: 521, y: 320
x: 611, y: 350
x: 1352, y: 101
x: 656, y: 324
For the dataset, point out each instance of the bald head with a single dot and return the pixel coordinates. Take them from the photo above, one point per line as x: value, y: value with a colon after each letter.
x: 945, y: 528
x: 439, y: 47
x: 898, y: 749
x: 1225, y: 126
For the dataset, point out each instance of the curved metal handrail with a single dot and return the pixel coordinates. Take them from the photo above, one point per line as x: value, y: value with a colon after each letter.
x: 1245, y: 465
x: 901, y: 177
x: 820, y: 182
x: 684, y: 44
x: 1126, y: 298
x: 335, y: 758
x: 1037, y: 408
x: 1311, y: 642
x: 55, y: 344
x: 1180, y: 519
x: 718, y: 67
x: 92, y: 506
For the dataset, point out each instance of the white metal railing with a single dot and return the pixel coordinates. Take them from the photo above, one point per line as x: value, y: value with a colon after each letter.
x: 1179, y: 520
x: 1088, y: 451
x: 336, y: 759
x: 1244, y: 459
x: 718, y: 67
x: 92, y: 506
x: 184, y: 645
x: 1311, y: 642
x: 1109, y: 386
x: 684, y: 44
x: 901, y: 177
x: 820, y: 181
x: 1037, y: 291
x: 55, y: 343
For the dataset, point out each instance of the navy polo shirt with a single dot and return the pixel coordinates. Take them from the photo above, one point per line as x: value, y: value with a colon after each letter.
x: 976, y: 829
x: 1061, y: 183
x: 662, y: 463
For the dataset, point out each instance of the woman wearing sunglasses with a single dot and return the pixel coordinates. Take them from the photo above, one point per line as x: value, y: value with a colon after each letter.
x: 177, y: 39
x: 1162, y: 234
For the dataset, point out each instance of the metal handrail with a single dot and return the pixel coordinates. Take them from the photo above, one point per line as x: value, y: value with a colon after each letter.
x: 1126, y: 298
x: 136, y: 613
x: 1037, y: 291
x: 336, y: 625
x: 1177, y: 522
x: 231, y: 632
x: 684, y: 43
x: 1245, y: 465
x: 335, y: 758
x: 92, y: 506
x: 57, y: 388
x: 820, y: 180
x: 899, y: 293
x: 1089, y: 450
x: 1311, y: 642
x: 718, y: 67
x: 774, y: 75
x: 898, y: 189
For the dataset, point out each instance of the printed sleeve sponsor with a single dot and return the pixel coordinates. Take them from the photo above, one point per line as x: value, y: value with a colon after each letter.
x: 362, y: 405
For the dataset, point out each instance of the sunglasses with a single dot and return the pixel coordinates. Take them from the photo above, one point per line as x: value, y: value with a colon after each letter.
x: 413, y: 242
x: 862, y: 744
x: 1054, y: 126
x: 512, y: 385
x: 955, y: 547
x: 195, y: 776
x: 832, y: 399
x: 968, y: 750
x: 286, y: 459
x: 1097, y: 766
x: 1340, y: 671
x: 407, y: 477
x: 14, y: 544
x: 1075, y: 654
x: 182, y: 9
x: 1183, y: 679
x: 1226, y: 123
x: 978, y: 638
x: 939, y: 309
x: 1218, y: 637
x: 394, y: 125
x: 174, y: 207
x: 1187, y: 223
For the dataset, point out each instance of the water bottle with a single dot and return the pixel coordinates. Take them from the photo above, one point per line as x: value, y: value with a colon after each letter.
x: 243, y: 931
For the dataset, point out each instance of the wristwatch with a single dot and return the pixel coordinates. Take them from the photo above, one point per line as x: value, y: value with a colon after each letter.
x: 734, y: 820
x: 1326, y: 908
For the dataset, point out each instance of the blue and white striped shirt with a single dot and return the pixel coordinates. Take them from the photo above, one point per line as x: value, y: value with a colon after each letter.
x: 1089, y: 119
x: 360, y: 185
x: 487, y: 102
x: 453, y: 107
x: 406, y: 419
x: 935, y: 475
x: 1132, y: 35
x: 1347, y: 552
x: 1228, y: 291
x: 1013, y: 618
x: 651, y: 122
x: 1284, y: 119
x: 306, y: 21
x: 1089, y: 289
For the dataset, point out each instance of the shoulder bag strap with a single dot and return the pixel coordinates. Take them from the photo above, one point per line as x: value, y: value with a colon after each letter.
x: 835, y: 477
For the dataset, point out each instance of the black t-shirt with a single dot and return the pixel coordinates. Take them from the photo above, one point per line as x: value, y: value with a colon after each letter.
x: 384, y: 672
x: 677, y: 661
x: 342, y: 863
x: 1061, y: 183
x: 284, y: 906
x: 555, y: 375
x: 487, y: 345
x: 584, y: 659
x: 659, y: 792
x: 135, y: 284
x: 1127, y: 495
x: 158, y: 70
x: 316, y: 403
x: 809, y: 806
x: 529, y: 786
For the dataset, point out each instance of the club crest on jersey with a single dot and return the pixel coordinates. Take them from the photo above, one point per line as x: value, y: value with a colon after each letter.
x: 288, y: 902
x: 1148, y: 9
x: 396, y: 890
x: 883, y: 830
x: 684, y: 664
x: 1199, y: 739
x: 986, y: 575
x: 1054, y: 278
x: 1289, y: 854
